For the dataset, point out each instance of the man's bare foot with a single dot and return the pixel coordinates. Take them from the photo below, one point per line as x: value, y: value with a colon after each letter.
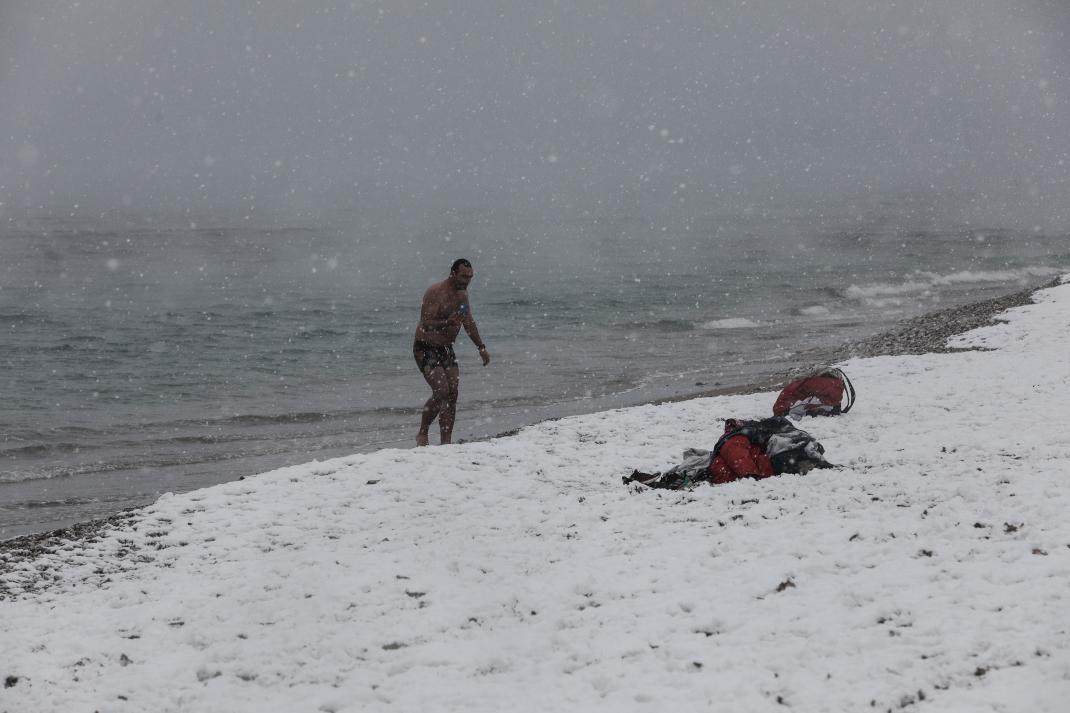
x: 421, y: 439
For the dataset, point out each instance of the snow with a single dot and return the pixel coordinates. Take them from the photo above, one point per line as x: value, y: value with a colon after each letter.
x: 930, y: 572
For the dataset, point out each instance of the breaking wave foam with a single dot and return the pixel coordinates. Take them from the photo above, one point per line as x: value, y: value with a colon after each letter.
x: 923, y: 282
x: 729, y: 323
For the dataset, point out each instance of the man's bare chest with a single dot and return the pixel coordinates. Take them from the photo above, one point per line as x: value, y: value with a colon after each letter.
x: 446, y: 303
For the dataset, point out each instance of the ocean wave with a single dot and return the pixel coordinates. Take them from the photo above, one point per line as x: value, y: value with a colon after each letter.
x: 546, y: 304
x: 68, y: 502
x: 730, y: 323
x: 264, y: 419
x: 42, y: 449
x: 84, y: 338
x: 310, y: 416
x: 319, y: 332
x: 812, y: 311
x: 139, y: 463
x: 661, y: 325
x: 881, y: 289
x: 30, y: 446
x: 20, y: 318
x: 920, y: 283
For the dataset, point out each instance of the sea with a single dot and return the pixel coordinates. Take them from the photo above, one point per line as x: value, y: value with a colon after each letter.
x: 144, y: 354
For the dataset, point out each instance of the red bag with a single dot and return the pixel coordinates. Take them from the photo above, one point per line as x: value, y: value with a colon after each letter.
x: 820, y: 394
x: 739, y: 458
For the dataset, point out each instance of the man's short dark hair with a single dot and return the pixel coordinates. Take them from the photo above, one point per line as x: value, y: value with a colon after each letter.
x: 458, y: 263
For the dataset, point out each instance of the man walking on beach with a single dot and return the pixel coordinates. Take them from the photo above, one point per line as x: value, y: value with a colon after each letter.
x: 444, y: 311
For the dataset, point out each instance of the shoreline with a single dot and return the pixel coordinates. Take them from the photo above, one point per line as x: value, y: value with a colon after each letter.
x: 926, y: 333
x: 519, y: 569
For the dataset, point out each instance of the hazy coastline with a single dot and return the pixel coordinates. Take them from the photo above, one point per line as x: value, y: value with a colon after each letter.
x: 924, y: 570
x: 927, y: 333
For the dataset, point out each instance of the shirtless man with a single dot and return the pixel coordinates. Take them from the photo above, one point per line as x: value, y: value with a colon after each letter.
x: 444, y: 311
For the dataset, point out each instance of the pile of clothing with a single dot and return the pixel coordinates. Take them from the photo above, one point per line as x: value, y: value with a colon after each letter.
x: 766, y: 447
x: 748, y: 449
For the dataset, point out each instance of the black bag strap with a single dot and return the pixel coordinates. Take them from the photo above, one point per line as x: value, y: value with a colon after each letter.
x: 721, y: 441
x: 850, y: 391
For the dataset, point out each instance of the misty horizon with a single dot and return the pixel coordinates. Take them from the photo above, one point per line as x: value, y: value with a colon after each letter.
x: 217, y: 219
x: 389, y: 108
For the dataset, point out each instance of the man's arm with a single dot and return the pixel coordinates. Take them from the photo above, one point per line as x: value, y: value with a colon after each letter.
x: 469, y: 323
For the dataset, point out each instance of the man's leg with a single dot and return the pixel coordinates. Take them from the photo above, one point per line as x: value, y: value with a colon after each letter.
x: 439, y: 382
x: 448, y: 414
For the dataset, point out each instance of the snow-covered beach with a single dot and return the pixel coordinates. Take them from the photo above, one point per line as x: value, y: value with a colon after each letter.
x: 930, y: 572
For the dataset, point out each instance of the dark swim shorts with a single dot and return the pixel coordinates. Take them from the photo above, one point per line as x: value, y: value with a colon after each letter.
x: 431, y: 356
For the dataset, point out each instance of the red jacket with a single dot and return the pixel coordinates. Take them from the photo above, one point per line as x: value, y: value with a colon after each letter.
x: 814, y: 395
x: 738, y: 458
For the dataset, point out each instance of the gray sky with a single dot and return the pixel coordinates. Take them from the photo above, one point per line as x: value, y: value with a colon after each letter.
x: 300, y: 108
